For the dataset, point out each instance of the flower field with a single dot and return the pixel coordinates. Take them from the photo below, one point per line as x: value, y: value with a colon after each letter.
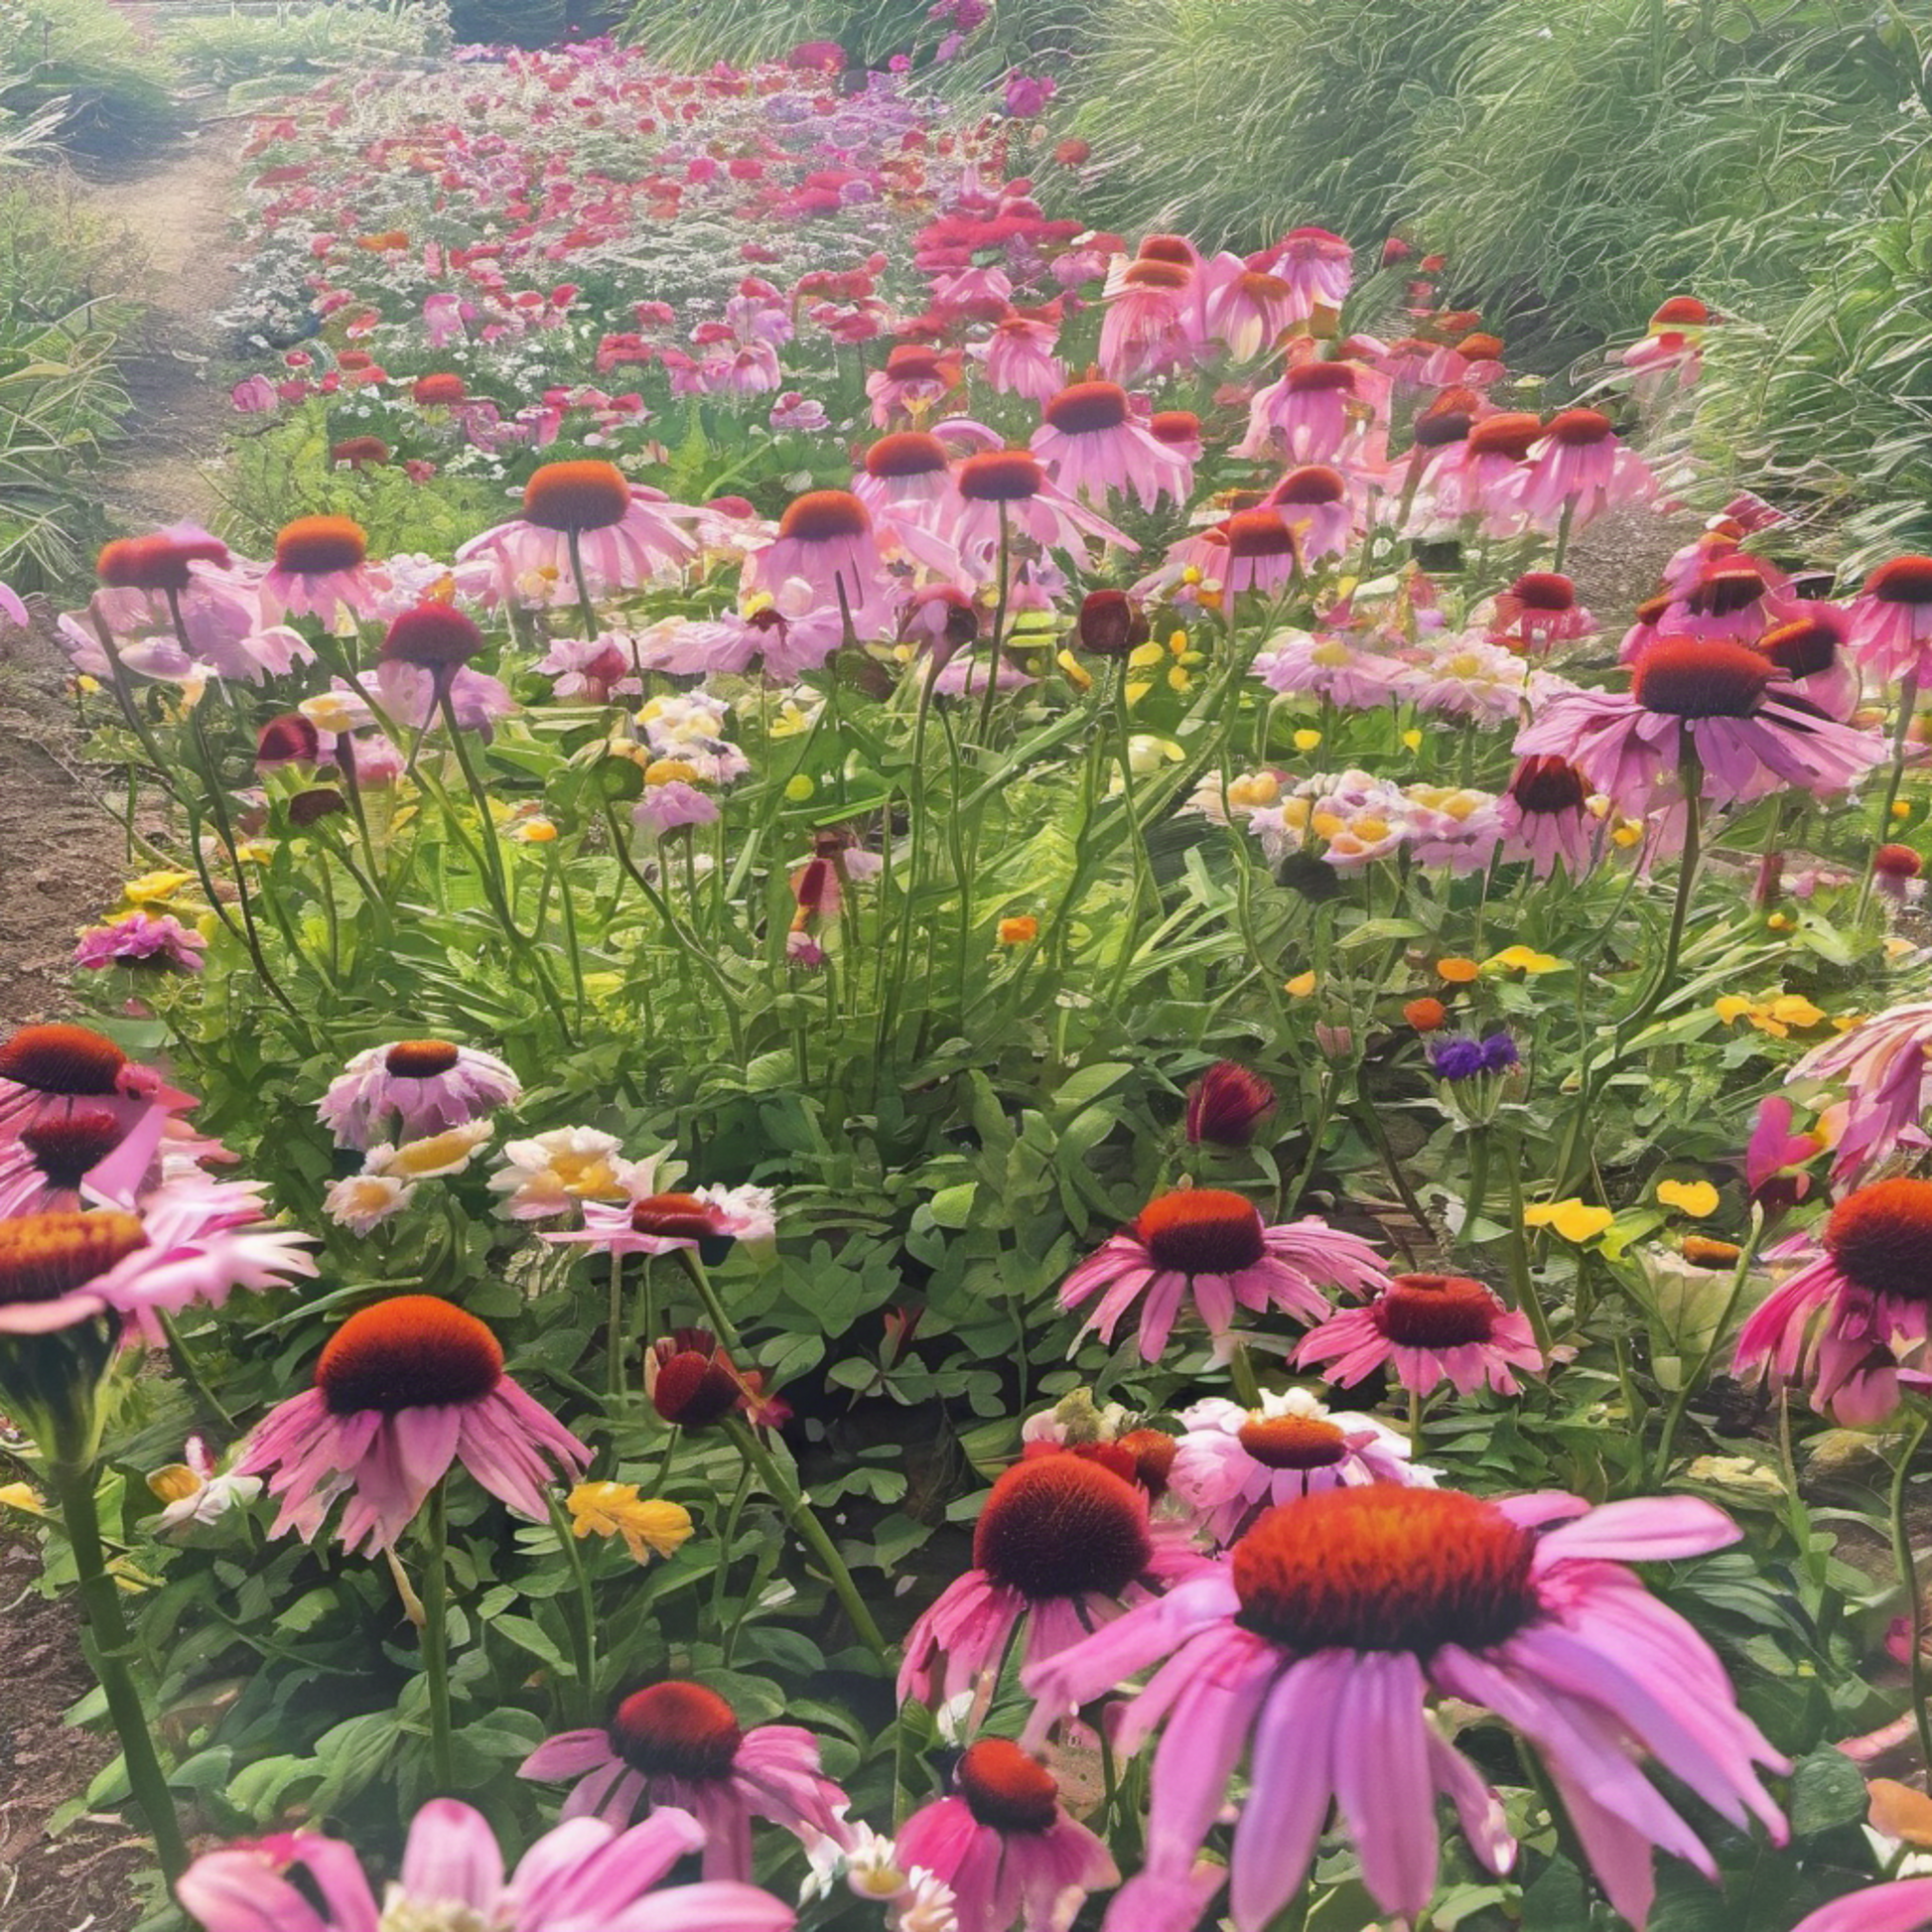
x: 925, y: 1100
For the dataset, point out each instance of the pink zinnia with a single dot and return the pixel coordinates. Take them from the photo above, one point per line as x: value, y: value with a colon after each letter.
x: 1846, y: 1320
x: 680, y: 1744
x: 1316, y: 1648
x: 1004, y: 1845
x: 1892, y: 620
x: 1095, y: 449
x: 1883, y: 1064
x: 403, y: 1389
x: 1546, y: 818
x: 627, y: 535
x: 1902, y: 1907
x: 1062, y: 1544
x: 1428, y: 1329
x: 143, y: 938
x: 584, y: 1873
x: 414, y: 1087
x: 1232, y: 1462
x: 1210, y: 1248
x: 1731, y: 704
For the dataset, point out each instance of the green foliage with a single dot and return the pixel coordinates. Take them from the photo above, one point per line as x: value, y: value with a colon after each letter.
x: 299, y: 39
x: 110, y: 82
x: 520, y: 23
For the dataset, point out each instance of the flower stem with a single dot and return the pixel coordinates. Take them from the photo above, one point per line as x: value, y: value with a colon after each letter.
x: 1479, y: 1185
x: 583, y: 1627
x: 186, y: 1367
x: 721, y: 1324
x: 1691, y: 1382
x: 1691, y: 774
x: 1901, y: 1543
x: 793, y: 1500
x: 436, y: 1639
x: 111, y: 1650
x: 1907, y: 705
x: 1415, y: 1425
x: 614, y: 1328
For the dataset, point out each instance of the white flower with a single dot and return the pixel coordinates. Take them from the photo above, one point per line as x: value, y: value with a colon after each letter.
x: 194, y: 1492
x: 449, y: 1151
x: 927, y: 1906
x: 361, y: 1202
x: 551, y: 1173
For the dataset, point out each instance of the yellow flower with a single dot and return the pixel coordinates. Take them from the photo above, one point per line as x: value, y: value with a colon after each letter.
x: 175, y: 1484
x: 1307, y: 741
x: 1411, y: 739
x: 1524, y: 959
x: 1021, y: 931
x: 1695, y: 1198
x: 1457, y: 970
x: 535, y: 831
x: 1177, y: 642
x: 1776, y: 1016
x: 798, y: 787
x: 664, y: 771
x: 1180, y: 677
x: 1574, y: 1219
x: 1145, y: 656
x: 1901, y: 809
x: 449, y: 1151
x: 1076, y: 672
x: 87, y: 684
x: 1301, y: 986
x: 1256, y: 789
x: 615, y: 1509
x: 153, y: 885
x: 1627, y: 835
x: 21, y: 1496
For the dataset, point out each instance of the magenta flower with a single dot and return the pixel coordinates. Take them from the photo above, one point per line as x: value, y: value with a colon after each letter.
x: 583, y: 1875
x: 1062, y: 1544
x: 1902, y: 1907
x: 1005, y: 1845
x: 1020, y: 359
x: 1249, y: 311
x: 425, y: 1085
x: 1429, y: 1329
x: 1545, y: 817
x: 1094, y: 448
x: 191, y: 1240
x: 403, y: 1389
x: 1852, y: 1316
x: 680, y: 1744
x: 826, y: 542
x: 1232, y: 1462
x: 1313, y: 412
x: 1208, y: 1247
x: 89, y: 1157
x: 53, y: 1072
x: 1317, y: 264
x: 322, y: 567
x: 657, y: 1224
x: 1883, y: 1065
x: 1315, y: 1648
x: 1578, y: 469
x: 1013, y: 485
x: 1152, y: 323
x: 143, y: 938
x: 1729, y: 704
x: 1539, y: 610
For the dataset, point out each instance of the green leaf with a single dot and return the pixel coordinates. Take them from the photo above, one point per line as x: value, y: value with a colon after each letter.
x: 1826, y: 1791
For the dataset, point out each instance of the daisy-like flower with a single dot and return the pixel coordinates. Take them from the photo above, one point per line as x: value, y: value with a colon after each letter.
x: 1094, y: 448
x: 1884, y: 1066
x: 584, y: 1873
x: 1546, y: 818
x: 1062, y: 1544
x: 1724, y: 701
x: 1315, y: 1647
x: 1810, y: 650
x: 1856, y: 1312
x: 54, y: 1071
x: 551, y: 1173
x: 1249, y: 311
x: 1332, y: 668
x: 1429, y: 1330
x: 1232, y: 1462
x: 680, y: 1744
x: 402, y: 1390
x: 195, y: 1491
x: 1005, y: 1845
x: 322, y: 567
x: 362, y: 1201
x: 1892, y: 620
x: 433, y: 1156
x: 416, y: 1087
x: 649, y: 1527
x: 625, y: 534
x: 708, y: 1219
x: 191, y: 1240
x: 1208, y: 1248
x: 141, y: 938
x: 1902, y: 1907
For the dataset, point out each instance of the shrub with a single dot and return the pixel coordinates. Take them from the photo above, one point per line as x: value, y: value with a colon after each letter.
x: 112, y: 81
x: 299, y: 38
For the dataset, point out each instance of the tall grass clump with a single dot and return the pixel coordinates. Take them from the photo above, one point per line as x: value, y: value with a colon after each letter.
x: 1234, y: 119
x: 300, y: 39
x: 110, y: 82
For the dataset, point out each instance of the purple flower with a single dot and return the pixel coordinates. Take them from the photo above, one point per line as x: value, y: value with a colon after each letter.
x: 1028, y: 93
x: 1499, y: 1053
x: 141, y: 939
x: 1458, y: 1058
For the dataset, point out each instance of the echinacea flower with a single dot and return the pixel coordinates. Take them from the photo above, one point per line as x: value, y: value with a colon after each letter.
x: 1152, y: 324
x: 1005, y: 1845
x: 1856, y: 1312
x: 680, y: 1744
x: 1429, y: 1330
x: 322, y: 567
x: 1094, y: 448
x: 1227, y: 1104
x: 1209, y: 1248
x: 1884, y: 1065
x: 1578, y: 469
x: 141, y: 938
x: 1539, y: 609
x: 1231, y: 1463
x: 403, y: 1389
x: 1010, y: 488
x: 1546, y: 818
x: 1062, y: 1544
x: 421, y: 1086
x: 89, y: 1157
x: 56, y: 1070
x: 691, y: 1381
x: 1313, y: 413
x: 583, y: 1875
x: 1905, y: 1907
x: 1315, y: 1649
x: 1892, y: 620
x: 708, y: 1219
x: 825, y: 541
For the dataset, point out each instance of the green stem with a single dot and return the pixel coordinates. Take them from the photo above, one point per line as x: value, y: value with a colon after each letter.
x: 111, y: 1650
x: 1907, y: 703
x: 1691, y: 775
x: 186, y: 1367
x: 436, y: 1640
x: 721, y: 1324
x: 583, y: 1627
x: 1415, y: 1425
x: 1692, y: 1381
x: 1901, y: 1543
x: 614, y: 1328
x: 1479, y: 1185
x: 802, y: 1518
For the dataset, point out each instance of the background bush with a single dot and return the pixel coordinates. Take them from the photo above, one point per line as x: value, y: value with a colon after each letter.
x: 297, y: 40
x: 112, y: 81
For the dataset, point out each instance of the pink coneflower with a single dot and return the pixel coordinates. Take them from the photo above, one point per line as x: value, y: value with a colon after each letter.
x: 1737, y: 596
x: 915, y: 379
x: 1886, y: 1069
x: 53, y: 1071
x: 1317, y: 264
x: 1578, y: 467
x: 85, y: 1157
x: 191, y: 1240
x: 1233, y: 1462
x: 1316, y: 1645
x: 584, y: 1873
x: 1312, y: 413
x: 625, y: 535
x: 1005, y: 1845
x: 825, y: 541
x: 1810, y: 652
x: 1847, y: 1318
x: 907, y: 478
x: 1722, y: 702
x: 1014, y: 484
x: 1892, y: 620
x: 181, y: 585
x: 1150, y: 321
x: 1671, y: 349
x: 1315, y: 503
x: 1180, y: 431
x: 680, y: 1744
x: 1429, y: 1330
x: 1209, y: 1248
x: 1539, y: 610
x: 1249, y: 311
x: 425, y: 1085
x: 1020, y: 359
x: 1546, y: 818
x: 706, y: 1219
x: 322, y: 567
x: 142, y: 938
x: 1905, y: 1907
x: 402, y: 1390
x: 1093, y: 448
x: 1063, y: 1543
x: 1482, y: 475
x: 1228, y: 1105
